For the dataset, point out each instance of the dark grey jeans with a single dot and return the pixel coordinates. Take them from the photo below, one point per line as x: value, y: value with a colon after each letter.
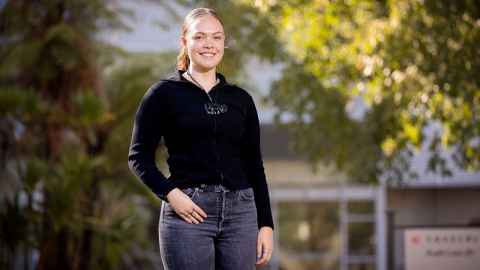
x: 225, y: 240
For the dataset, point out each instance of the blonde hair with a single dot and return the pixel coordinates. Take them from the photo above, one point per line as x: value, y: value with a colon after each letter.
x: 183, y: 61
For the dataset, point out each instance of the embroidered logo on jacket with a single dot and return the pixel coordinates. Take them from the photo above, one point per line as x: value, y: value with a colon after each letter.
x: 214, y: 108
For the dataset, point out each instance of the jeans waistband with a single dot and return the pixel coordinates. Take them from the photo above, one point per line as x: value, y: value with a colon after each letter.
x: 213, y: 188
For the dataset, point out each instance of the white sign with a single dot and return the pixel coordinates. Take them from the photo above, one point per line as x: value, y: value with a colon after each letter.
x: 442, y: 249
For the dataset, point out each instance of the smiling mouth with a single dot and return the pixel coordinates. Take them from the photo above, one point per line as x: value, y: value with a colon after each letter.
x: 208, y: 54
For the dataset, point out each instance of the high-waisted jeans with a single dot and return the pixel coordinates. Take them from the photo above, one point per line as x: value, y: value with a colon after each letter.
x: 225, y: 240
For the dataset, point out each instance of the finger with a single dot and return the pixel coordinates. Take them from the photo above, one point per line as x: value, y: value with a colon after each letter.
x: 193, y: 216
x: 197, y: 216
x: 200, y: 211
x: 268, y: 257
x: 185, y: 217
x: 265, y: 259
x: 259, y: 249
x: 261, y: 262
x: 188, y: 218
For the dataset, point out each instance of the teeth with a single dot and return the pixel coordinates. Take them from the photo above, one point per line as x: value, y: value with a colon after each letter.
x: 207, y: 54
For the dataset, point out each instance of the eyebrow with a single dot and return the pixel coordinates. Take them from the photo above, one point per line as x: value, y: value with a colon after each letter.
x: 203, y: 33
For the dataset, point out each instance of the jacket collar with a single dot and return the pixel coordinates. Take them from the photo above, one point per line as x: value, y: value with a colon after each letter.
x: 177, y: 77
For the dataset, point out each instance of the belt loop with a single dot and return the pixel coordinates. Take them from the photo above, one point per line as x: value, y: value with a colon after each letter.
x: 223, y: 188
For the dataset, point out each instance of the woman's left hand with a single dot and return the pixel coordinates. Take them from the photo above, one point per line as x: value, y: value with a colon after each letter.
x: 264, y: 245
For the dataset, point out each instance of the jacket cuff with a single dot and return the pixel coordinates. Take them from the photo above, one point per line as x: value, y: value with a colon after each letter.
x: 267, y: 223
x: 163, y: 195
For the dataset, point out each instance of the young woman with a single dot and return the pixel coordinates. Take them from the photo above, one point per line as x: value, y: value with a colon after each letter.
x: 216, y: 208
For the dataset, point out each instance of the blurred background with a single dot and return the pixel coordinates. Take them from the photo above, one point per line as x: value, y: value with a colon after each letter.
x: 370, y: 128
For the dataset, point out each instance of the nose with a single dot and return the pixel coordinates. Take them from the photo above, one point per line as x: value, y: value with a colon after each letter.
x: 208, y: 42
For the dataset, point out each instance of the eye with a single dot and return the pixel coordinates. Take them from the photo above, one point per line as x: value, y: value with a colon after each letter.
x: 218, y: 37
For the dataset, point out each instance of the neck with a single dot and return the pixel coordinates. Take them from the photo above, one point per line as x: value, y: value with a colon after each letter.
x: 206, y: 78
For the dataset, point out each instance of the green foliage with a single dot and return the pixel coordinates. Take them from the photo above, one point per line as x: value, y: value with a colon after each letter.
x: 320, y: 122
x: 66, y: 105
x: 413, y: 64
x: 20, y: 102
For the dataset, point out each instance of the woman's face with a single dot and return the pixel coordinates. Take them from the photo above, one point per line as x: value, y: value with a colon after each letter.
x: 205, y: 42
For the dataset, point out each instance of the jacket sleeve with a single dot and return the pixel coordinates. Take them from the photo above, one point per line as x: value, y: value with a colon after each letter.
x: 148, y: 128
x: 252, y: 158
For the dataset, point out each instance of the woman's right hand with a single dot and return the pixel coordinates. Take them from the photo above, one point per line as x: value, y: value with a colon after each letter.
x: 185, y: 207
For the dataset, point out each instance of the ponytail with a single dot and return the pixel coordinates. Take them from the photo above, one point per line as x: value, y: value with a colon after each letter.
x: 183, y: 61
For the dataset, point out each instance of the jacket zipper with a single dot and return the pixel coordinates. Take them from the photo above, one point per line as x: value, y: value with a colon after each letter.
x: 215, y: 138
x: 215, y: 135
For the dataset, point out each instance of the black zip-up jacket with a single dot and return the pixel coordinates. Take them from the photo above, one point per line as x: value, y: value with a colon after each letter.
x: 206, y: 144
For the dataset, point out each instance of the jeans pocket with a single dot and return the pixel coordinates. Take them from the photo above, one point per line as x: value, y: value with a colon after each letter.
x: 246, y: 194
x: 190, y: 192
